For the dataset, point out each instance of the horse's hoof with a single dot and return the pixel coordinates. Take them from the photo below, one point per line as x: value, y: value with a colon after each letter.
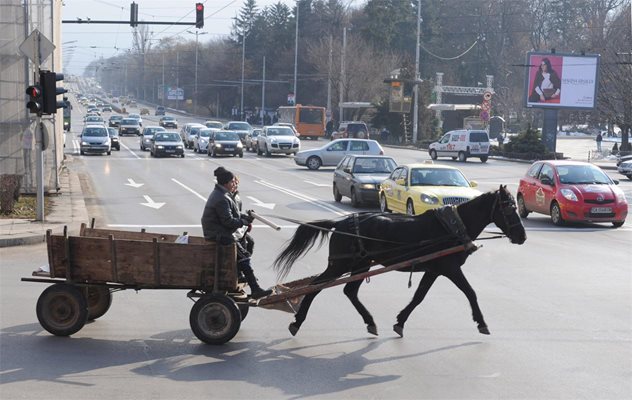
x: 399, y: 329
x: 483, y: 329
x: 293, y: 328
x: 372, y: 329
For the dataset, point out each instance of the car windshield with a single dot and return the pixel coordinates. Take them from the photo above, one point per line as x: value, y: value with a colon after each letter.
x: 280, y: 131
x: 94, y: 119
x: 205, y: 132
x: 135, y: 116
x: 168, y: 118
x: 129, y: 121
x: 166, y: 137
x: 437, y: 177
x: 582, y: 175
x: 217, y: 125
x: 239, y: 126
x: 112, y: 132
x: 227, y: 136
x: 152, y: 131
x: 95, y: 132
x: 311, y: 115
x: 374, y: 166
x: 113, y: 117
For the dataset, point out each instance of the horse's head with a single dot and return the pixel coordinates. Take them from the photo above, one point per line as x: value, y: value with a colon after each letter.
x: 505, y: 216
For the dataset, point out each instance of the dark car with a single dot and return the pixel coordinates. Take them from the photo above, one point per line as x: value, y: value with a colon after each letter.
x: 359, y: 177
x: 129, y: 126
x: 168, y: 122
x: 160, y: 110
x: 148, y: 135
x: 167, y: 144
x: 114, y: 138
x: 115, y: 121
x: 225, y: 142
x: 242, y: 128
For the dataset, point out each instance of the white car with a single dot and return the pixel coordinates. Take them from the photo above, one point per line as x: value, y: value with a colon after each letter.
x: 330, y: 154
x: 277, y: 140
x: 625, y: 168
x: 461, y: 144
x: 201, y: 139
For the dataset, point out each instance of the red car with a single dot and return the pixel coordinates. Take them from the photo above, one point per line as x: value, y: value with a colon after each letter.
x: 571, y: 191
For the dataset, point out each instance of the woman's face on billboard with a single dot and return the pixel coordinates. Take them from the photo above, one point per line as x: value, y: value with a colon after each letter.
x: 543, y: 67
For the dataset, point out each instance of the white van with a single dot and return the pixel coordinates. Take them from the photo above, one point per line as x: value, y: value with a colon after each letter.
x: 461, y: 144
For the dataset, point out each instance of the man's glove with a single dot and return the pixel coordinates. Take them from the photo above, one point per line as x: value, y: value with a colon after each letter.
x: 246, y: 219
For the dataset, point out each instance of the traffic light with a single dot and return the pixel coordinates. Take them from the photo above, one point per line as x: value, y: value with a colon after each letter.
x: 35, y: 99
x: 199, y: 15
x: 133, y: 15
x: 50, y: 91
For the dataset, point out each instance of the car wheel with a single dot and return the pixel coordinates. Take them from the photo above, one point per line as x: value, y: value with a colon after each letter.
x: 241, y: 155
x: 214, y: 154
x: 556, y: 214
x: 195, y: 150
x: 314, y: 163
x: 268, y: 154
x: 618, y: 224
x: 433, y: 154
x: 337, y: 195
x: 453, y: 158
x: 82, y: 152
x: 410, y: 208
x: 462, y: 156
x: 484, y: 159
x: 522, y: 208
x: 355, y: 202
x: 109, y: 152
x: 383, y: 204
x: 182, y: 155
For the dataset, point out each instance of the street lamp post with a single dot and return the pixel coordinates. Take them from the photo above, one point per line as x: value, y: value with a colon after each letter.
x: 243, y: 62
x: 195, y: 98
x: 342, y: 73
x: 416, y: 87
x: 296, y: 53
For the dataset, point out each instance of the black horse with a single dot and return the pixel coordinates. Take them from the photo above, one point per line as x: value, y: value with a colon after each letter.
x: 360, y: 241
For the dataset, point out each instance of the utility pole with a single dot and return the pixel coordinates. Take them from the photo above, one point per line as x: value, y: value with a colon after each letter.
x: 195, y: 97
x: 263, y: 93
x: 162, y: 96
x: 243, y: 64
x: 177, y: 79
x: 331, y: 39
x: 416, y: 84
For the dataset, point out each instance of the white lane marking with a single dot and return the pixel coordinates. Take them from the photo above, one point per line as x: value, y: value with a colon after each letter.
x: 300, y: 196
x: 318, y: 184
x: 132, y: 226
x: 257, y: 202
x: 151, y: 203
x: 133, y: 184
x: 76, y: 146
x: 189, y: 189
x: 130, y: 150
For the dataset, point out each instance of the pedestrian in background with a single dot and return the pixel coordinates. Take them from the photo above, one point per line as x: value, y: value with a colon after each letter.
x: 599, y: 139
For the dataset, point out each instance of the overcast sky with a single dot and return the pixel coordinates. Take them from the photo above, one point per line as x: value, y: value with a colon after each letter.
x: 84, y: 43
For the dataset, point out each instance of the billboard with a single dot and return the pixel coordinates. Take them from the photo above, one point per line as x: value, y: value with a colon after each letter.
x: 174, y: 93
x: 561, y: 81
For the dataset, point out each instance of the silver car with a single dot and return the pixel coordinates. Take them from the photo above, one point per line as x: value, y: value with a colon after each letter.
x: 148, y: 135
x: 277, y: 140
x: 95, y: 139
x: 331, y: 153
x: 625, y: 168
x: 201, y: 139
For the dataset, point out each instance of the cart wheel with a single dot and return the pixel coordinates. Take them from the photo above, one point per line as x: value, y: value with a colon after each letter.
x: 243, y: 310
x: 215, y: 319
x: 62, y: 309
x: 99, y: 300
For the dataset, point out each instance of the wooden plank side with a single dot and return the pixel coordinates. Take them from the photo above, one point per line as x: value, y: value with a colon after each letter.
x: 228, y: 267
x: 135, y: 262
x: 90, y: 259
x: 129, y: 235
x: 187, y: 265
x: 57, y: 256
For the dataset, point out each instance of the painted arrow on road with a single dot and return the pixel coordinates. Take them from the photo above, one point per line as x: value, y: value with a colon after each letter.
x: 259, y: 203
x: 133, y: 184
x: 151, y: 203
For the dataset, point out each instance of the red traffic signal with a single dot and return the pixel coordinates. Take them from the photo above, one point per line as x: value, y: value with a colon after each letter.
x: 50, y: 91
x: 35, y: 99
x: 199, y: 15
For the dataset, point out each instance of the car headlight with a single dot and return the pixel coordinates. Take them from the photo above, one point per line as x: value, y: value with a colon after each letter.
x: 568, y: 194
x: 239, y: 145
x: 85, y: 144
x: 160, y: 146
x: 218, y: 145
x: 178, y: 147
x: 273, y: 140
x: 202, y: 141
x: 618, y: 193
x: 367, y: 186
x: 429, y: 199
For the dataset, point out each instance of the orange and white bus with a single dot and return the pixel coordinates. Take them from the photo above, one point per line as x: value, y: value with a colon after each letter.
x: 309, y: 121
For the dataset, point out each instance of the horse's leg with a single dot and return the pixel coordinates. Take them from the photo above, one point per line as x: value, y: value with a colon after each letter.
x: 329, y: 274
x: 457, y: 277
x: 425, y: 284
x: 351, y: 290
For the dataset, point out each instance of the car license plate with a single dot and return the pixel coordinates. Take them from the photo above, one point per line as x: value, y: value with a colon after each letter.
x: 601, y: 210
x: 170, y: 151
x: 228, y: 148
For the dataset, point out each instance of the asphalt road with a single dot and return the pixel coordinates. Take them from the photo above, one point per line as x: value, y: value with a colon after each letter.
x: 559, y: 307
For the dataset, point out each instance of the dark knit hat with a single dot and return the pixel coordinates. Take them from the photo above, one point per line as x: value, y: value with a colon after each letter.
x: 223, y: 175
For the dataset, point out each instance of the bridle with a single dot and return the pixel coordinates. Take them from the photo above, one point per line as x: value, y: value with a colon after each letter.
x: 507, y: 209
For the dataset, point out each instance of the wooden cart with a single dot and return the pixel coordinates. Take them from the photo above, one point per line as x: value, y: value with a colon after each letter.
x: 85, y: 270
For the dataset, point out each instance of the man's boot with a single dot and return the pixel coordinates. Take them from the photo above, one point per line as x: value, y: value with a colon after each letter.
x: 256, y: 291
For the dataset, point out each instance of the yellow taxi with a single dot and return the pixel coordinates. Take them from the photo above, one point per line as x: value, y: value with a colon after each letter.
x: 416, y: 188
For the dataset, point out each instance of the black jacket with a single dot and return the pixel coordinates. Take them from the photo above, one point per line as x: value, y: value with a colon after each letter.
x: 221, y: 216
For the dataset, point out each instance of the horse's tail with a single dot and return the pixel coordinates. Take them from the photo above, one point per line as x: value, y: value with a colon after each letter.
x: 303, y: 240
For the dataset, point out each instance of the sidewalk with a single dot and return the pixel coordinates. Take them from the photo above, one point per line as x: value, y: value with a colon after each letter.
x: 68, y: 209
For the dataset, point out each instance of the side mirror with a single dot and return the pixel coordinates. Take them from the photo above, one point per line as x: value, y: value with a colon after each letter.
x: 347, y: 170
x: 546, y: 181
x: 473, y: 184
x: 401, y: 181
x: 616, y: 181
